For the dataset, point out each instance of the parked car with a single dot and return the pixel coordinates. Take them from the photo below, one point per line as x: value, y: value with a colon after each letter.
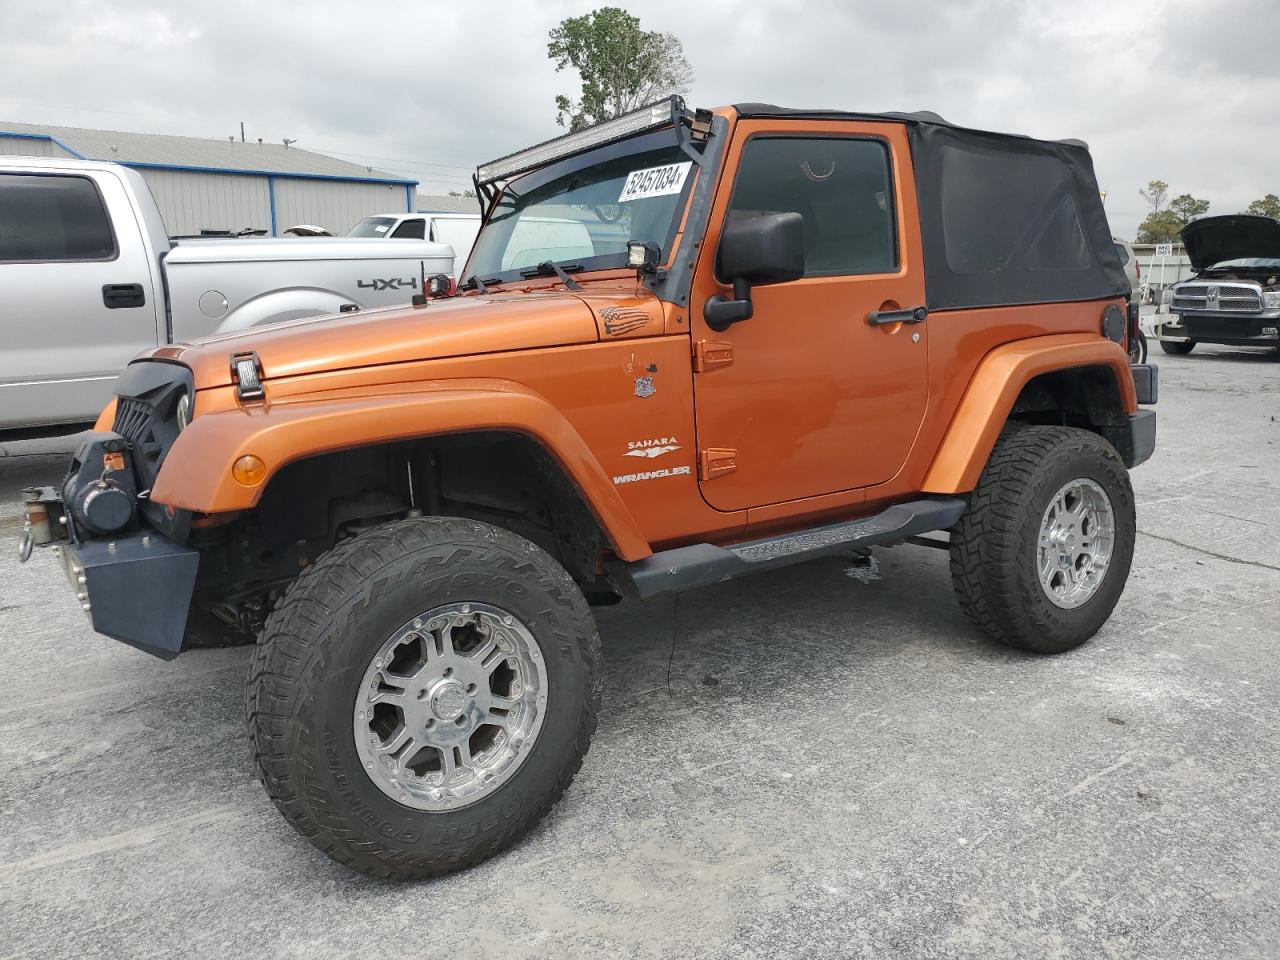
x: 413, y: 509
x: 1133, y: 270
x: 1234, y: 297
x: 456, y: 229
x: 89, y: 278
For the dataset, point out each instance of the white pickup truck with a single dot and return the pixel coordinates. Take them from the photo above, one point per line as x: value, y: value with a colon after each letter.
x: 459, y: 230
x: 89, y: 278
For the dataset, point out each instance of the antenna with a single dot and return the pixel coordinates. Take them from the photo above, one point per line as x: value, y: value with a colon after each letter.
x: 242, y: 131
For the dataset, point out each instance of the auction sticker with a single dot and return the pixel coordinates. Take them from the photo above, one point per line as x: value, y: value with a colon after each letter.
x: 655, y: 182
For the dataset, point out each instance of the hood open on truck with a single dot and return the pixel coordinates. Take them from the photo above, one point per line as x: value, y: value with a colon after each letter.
x: 1211, y: 240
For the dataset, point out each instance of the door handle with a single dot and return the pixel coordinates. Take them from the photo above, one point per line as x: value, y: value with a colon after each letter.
x: 881, y: 318
x: 118, y: 295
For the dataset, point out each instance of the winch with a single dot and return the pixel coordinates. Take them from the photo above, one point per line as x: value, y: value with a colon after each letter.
x: 100, y: 491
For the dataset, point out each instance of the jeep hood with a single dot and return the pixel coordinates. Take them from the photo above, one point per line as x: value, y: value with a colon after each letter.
x: 456, y: 327
x: 1211, y: 240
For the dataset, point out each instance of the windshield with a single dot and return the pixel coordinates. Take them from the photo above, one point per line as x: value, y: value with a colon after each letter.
x: 584, y: 211
x: 1247, y: 263
x: 372, y: 227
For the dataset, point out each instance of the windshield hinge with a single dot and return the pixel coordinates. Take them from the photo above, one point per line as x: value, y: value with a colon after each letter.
x: 710, y: 354
x: 699, y: 125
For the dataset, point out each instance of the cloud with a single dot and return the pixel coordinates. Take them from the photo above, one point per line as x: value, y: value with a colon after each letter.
x: 1164, y: 88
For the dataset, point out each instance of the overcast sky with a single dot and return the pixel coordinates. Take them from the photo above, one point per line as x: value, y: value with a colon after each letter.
x: 1162, y: 88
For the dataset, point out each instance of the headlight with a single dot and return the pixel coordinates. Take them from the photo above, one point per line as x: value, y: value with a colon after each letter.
x: 1271, y: 299
x: 1166, y: 295
x: 183, y: 411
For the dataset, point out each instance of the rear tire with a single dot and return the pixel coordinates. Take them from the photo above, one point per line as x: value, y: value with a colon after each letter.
x: 1021, y: 526
x: 332, y: 691
x: 1178, y: 347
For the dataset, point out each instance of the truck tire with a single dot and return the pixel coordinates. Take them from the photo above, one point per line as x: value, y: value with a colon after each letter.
x: 423, y: 695
x: 1041, y: 556
x: 1178, y: 347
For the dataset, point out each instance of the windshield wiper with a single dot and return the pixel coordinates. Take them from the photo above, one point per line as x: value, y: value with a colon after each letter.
x: 549, y: 267
x: 474, y: 282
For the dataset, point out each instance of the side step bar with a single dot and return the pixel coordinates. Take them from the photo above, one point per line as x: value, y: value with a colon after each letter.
x: 703, y: 563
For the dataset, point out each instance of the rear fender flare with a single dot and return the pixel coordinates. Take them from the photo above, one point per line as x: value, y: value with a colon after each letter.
x: 196, y: 474
x: 985, y: 407
x: 292, y: 303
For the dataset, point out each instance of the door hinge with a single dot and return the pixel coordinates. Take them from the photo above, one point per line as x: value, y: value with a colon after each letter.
x: 716, y: 462
x: 710, y: 354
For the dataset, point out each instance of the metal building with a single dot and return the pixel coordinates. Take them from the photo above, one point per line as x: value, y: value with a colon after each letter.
x: 435, y: 203
x: 202, y: 184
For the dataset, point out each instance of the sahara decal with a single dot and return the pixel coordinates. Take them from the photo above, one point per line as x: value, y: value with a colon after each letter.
x: 620, y: 320
x: 652, y: 448
x: 653, y: 474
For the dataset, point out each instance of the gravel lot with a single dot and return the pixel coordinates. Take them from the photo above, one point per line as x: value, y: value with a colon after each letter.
x: 831, y: 769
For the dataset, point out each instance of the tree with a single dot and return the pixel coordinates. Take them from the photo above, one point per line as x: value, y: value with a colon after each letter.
x: 1268, y: 206
x: 621, y: 66
x: 467, y: 194
x: 1187, y: 207
x: 1165, y: 222
x: 1155, y: 194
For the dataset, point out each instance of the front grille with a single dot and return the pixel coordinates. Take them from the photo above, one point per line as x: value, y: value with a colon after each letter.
x: 132, y: 417
x: 1227, y: 298
x: 146, y: 412
x: 1202, y: 327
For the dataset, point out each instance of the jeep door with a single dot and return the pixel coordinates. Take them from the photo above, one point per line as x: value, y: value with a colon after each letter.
x: 816, y: 399
x: 76, y: 301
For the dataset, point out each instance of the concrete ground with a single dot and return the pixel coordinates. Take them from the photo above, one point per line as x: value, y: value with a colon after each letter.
x: 829, y: 769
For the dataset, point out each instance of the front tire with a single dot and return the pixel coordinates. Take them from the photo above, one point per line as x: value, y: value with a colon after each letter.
x: 423, y: 695
x: 1041, y: 557
x: 1178, y: 348
x: 1138, y: 348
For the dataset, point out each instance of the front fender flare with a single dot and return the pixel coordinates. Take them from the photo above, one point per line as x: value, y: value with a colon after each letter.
x: 196, y: 474
x: 989, y: 399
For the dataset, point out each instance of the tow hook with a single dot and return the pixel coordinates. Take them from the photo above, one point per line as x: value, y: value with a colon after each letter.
x: 40, y: 506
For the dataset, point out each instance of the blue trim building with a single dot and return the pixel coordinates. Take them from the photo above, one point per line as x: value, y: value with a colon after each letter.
x: 211, y: 185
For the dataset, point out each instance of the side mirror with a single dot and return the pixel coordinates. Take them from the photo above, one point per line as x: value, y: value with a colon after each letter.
x: 755, y: 251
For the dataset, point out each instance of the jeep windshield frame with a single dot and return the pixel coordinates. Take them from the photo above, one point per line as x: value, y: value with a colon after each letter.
x: 569, y: 211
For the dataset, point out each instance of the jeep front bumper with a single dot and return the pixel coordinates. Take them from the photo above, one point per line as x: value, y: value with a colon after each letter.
x: 135, y: 587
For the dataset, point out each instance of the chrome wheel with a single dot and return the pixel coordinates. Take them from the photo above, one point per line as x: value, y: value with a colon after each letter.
x: 1077, y: 538
x: 450, y: 706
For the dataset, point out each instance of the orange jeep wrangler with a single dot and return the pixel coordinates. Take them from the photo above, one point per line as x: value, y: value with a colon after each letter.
x: 689, y: 345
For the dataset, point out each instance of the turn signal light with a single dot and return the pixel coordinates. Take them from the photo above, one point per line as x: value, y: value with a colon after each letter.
x: 249, y: 470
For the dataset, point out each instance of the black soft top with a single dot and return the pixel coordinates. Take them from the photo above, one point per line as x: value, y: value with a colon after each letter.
x: 1005, y: 219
